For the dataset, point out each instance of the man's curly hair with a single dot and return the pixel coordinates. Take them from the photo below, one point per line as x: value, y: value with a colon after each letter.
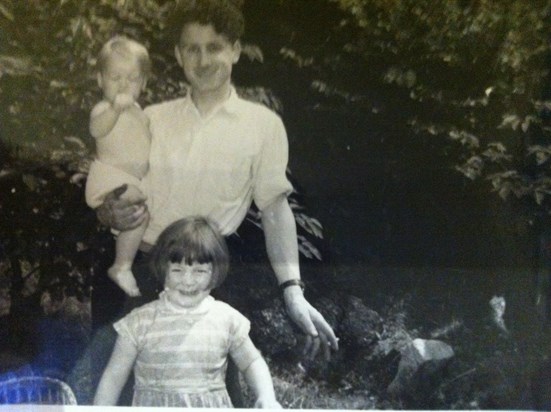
x: 224, y: 15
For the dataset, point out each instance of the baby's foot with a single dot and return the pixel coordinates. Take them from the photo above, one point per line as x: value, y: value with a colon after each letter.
x: 124, y: 278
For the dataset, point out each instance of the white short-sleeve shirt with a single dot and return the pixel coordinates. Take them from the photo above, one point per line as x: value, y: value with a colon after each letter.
x: 213, y: 166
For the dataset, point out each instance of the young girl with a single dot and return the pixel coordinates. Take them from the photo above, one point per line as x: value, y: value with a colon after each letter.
x: 179, y: 344
x: 122, y: 136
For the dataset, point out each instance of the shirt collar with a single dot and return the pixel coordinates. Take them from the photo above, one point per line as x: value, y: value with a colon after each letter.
x: 231, y: 105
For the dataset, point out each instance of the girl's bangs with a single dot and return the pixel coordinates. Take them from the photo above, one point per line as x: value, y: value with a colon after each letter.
x: 191, y: 252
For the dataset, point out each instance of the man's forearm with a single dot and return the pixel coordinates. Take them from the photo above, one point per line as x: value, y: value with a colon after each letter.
x: 280, y: 233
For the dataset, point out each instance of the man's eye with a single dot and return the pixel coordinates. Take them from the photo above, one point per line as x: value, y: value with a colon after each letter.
x: 214, y: 48
x: 191, y: 49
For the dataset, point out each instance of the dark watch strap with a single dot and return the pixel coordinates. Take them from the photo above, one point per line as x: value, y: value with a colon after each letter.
x: 292, y: 282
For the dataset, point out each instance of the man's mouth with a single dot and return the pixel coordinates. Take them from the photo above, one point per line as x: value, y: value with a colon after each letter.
x: 206, y: 73
x: 190, y: 292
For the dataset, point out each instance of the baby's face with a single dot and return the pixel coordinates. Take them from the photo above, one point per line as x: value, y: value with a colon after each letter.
x: 187, y: 285
x: 121, y: 75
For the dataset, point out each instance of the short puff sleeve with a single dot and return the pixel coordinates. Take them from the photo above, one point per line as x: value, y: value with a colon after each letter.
x: 270, y: 178
x: 241, y: 348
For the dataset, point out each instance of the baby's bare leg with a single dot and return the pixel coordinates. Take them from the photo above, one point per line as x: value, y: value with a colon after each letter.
x: 127, y: 245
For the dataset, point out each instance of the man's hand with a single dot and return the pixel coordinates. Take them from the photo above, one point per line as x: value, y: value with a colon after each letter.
x: 122, y: 213
x: 319, y: 334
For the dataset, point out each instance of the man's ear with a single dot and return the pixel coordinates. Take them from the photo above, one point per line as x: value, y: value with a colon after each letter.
x: 178, y: 55
x: 236, y: 51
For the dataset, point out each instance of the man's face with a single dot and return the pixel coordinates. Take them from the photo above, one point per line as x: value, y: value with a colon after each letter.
x: 206, y: 57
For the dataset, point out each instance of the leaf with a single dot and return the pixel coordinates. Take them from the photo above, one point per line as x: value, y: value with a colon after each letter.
x: 541, y: 158
x: 6, y: 12
x: 31, y: 182
x: 308, y: 249
x: 15, y: 66
x: 76, y: 141
x: 526, y: 123
x: 504, y: 192
x: 253, y: 52
x: 315, y: 227
x: 511, y: 120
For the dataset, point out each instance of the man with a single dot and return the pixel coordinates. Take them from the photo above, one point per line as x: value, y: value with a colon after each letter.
x: 213, y: 153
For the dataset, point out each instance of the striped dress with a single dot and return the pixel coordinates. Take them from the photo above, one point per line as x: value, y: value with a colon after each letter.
x: 183, y: 353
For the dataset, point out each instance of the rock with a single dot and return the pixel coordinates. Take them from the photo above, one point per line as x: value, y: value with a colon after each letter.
x: 361, y: 326
x: 330, y: 310
x: 358, y: 328
x: 421, y: 364
x: 272, y: 330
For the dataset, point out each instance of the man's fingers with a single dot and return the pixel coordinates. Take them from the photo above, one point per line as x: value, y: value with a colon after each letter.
x: 315, y: 346
x: 325, y: 346
x: 326, y: 330
x: 304, y: 321
x: 140, y: 216
x: 318, y: 332
x: 133, y: 216
x: 307, y: 345
x: 311, y: 347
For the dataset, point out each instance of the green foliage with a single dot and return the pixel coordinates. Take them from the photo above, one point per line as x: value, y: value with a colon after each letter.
x: 471, y: 74
x: 48, y: 237
x: 49, y: 81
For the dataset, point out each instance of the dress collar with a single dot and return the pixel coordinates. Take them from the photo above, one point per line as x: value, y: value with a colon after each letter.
x: 202, y: 308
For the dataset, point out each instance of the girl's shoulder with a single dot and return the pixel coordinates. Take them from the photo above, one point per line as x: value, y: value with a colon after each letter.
x: 148, y: 310
x: 224, y: 310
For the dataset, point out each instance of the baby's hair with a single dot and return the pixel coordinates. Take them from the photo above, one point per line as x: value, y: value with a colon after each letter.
x: 193, y: 239
x: 224, y: 15
x: 126, y: 48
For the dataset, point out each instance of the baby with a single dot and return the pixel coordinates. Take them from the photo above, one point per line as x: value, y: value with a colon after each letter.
x: 121, y: 132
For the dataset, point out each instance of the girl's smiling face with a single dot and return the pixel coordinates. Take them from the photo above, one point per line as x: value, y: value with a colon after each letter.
x: 187, y: 285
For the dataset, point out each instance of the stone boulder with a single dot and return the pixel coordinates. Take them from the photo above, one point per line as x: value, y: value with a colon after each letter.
x: 420, y: 368
x: 272, y: 330
x: 361, y: 326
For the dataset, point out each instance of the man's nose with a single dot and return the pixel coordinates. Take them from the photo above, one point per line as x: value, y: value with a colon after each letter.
x: 204, y: 58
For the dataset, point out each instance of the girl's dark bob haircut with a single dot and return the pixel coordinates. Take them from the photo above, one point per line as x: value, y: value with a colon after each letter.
x: 194, y: 239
